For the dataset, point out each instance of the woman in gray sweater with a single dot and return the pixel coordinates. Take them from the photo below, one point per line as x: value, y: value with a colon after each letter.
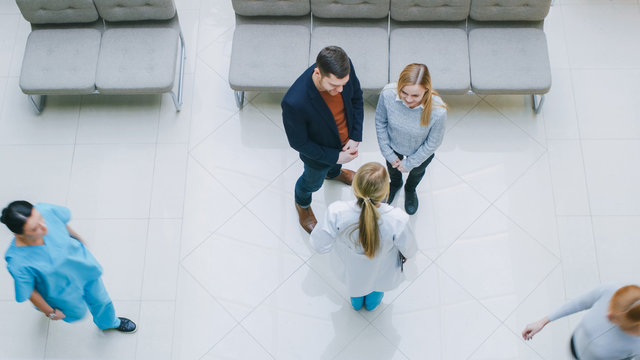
x: 609, y: 330
x: 410, y: 125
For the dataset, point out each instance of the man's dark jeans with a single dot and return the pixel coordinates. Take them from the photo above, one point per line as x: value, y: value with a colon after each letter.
x: 311, y: 181
x: 415, y: 175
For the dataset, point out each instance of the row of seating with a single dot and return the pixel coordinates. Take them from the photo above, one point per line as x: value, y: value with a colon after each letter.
x: 479, y: 46
x: 80, y: 47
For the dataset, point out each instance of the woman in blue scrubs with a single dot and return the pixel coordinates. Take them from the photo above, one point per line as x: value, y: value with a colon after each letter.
x: 53, y: 269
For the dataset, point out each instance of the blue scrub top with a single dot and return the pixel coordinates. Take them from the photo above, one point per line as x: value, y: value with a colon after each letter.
x: 59, y: 269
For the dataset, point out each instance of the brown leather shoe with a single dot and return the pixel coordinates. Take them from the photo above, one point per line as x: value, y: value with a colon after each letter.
x: 306, y: 218
x: 346, y: 176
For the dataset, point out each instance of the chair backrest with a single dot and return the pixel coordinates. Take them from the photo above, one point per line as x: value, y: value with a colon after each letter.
x: 58, y: 11
x: 509, y: 10
x: 136, y: 10
x: 430, y: 10
x: 350, y: 9
x: 271, y: 7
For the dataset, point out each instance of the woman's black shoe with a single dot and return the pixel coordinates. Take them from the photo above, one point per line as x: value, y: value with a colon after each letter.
x: 392, y: 193
x: 410, y: 202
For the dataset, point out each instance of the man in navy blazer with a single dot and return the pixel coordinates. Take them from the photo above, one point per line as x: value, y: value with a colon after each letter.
x: 322, y: 114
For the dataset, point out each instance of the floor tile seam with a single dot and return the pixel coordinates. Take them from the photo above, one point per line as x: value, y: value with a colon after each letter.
x: 352, y: 340
x: 212, y: 296
x: 262, y: 301
x: 262, y: 112
x: 387, y: 338
x: 201, y: 14
x: 539, y: 119
x: 464, y: 181
x: 215, y: 129
x: 519, y: 177
x: 586, y: 179
x: 226, y: 81
x: 74, y: 152
x: 262, y: 221
x: 470, y: 356
x: 13, y: 44
x: 539, y: 242
x: 374, y: 318
x: 46, y: 340
x: 472, y: 296
x: 480, y: 99
x: 555, y: 218
x: 192, y: 157
x: 528, y: 344
x: 336, y: 292
x: 238, y: 325
x: 546, y: 277
x: 201, y: 243
x: 441, y: 253
x: 215, y: 40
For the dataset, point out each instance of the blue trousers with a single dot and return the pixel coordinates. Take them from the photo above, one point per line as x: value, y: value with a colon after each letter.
x: 95, y: 297
x: 311, y: 181
x: 370, y: 301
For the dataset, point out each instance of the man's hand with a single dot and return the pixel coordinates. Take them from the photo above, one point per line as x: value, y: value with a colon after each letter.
x: 345, y: 157
x: 396, y: 163
x: 351, y: 146
x: 402, y: 169
x: 59, y: 315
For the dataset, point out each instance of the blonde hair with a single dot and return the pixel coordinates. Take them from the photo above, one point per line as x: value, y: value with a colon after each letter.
x: 370, y: 186
x: 418, y: 74
x: 624, y: 307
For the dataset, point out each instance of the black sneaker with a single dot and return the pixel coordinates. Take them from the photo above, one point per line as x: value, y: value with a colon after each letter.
x: 126, y: 326
x: 392, y: 193
x: 410, y: 202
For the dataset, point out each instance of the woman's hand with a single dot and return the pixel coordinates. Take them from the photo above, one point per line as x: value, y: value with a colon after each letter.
x: 396, y: 163
x: 534, y: 328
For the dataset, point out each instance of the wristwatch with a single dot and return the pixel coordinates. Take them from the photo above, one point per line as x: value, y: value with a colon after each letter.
x: 52, y: 315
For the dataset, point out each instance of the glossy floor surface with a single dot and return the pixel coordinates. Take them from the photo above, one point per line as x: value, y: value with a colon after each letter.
x: 191, y: 214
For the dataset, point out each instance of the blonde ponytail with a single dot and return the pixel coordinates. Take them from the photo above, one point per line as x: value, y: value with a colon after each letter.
x: 370, y: 186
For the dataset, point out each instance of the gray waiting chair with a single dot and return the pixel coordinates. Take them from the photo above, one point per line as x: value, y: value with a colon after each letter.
x: 270, y: 45
x: 432, y: 32
x: 361, y: 29
x: 508, y: 48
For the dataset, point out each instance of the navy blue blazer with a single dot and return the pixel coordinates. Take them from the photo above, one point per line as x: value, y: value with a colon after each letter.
x: 309, y: 124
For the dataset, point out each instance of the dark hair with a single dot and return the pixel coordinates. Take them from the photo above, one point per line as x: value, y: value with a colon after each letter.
x: 333, y: 60
x: 15, y: 215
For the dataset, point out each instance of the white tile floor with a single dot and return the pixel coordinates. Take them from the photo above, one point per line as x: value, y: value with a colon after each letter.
x: 192, y: 215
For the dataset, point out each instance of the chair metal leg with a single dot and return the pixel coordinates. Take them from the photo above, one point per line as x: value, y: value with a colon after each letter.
x: 177, y: 99
x: 239, y: 99
x: 38, y: 106
x: 535, y: 105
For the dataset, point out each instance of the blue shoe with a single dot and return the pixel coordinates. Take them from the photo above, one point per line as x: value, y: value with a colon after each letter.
x: 372, y: 300
x: 357, y: 302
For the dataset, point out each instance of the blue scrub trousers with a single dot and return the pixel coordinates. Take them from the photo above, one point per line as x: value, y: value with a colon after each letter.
x: 95, y: 296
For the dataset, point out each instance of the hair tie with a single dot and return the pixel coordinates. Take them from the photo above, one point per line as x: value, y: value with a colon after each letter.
x: 366, y: 199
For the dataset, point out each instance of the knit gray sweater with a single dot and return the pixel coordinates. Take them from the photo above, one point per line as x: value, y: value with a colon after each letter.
x: 398, y: 128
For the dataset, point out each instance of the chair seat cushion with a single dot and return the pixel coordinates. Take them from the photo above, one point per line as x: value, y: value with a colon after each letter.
x: 268, y: 56
x: 60, y: 61
x: 137, y: 60
x: 367, y: 47
x: 443, y: 50
x: 509, y: 60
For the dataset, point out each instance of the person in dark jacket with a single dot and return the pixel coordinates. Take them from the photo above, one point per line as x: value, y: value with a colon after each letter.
x: 322, y: 114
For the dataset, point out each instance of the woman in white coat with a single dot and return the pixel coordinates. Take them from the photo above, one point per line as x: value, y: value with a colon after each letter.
x: 369, y: 237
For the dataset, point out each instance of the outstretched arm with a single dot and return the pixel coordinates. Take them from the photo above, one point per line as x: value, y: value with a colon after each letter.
x: 578, y: 304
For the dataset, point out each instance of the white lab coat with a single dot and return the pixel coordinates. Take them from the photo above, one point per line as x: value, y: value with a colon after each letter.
x: 360, y: 274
